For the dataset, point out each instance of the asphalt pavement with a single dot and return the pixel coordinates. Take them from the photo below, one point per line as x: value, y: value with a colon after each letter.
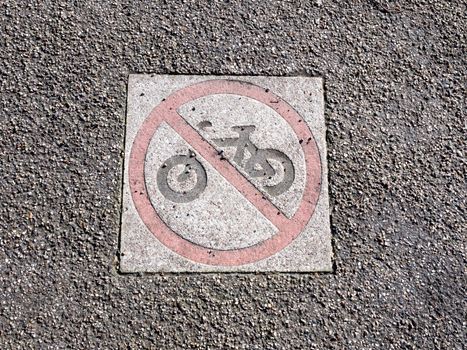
x: 394, y: 74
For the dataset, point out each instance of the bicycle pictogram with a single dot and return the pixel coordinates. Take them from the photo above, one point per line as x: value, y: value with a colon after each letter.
x: 270, y: 166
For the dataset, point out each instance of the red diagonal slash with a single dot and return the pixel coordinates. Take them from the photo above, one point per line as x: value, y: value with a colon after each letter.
x: 288, y: 229
x: 227, y: 170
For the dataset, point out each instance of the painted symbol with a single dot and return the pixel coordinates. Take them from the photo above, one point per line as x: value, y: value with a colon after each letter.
x: 191, y: 167
x: 183, y: 179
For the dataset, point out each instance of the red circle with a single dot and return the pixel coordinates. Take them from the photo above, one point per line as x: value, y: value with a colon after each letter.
x: 288, y: 229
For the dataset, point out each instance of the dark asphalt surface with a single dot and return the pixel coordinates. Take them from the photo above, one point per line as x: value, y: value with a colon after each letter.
x: 395, y: 110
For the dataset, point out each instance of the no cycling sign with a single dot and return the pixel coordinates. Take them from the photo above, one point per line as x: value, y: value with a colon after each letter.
x: 225, y: 174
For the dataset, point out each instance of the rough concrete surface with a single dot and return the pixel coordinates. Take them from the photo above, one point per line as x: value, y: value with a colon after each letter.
x: 395, y: 109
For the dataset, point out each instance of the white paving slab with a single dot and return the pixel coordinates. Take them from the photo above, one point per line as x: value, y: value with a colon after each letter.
x: 225, y: 174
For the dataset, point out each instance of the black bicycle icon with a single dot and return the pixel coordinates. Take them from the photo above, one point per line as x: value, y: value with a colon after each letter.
x: 261, y: 164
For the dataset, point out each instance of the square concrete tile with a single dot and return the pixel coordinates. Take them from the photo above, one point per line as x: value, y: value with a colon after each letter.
x: 225, y: 173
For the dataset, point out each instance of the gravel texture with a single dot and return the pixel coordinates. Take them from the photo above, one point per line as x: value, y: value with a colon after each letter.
x: 395, y: 110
